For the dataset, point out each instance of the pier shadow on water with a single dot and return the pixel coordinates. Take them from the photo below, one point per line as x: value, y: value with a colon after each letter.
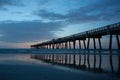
x: 92, y: 61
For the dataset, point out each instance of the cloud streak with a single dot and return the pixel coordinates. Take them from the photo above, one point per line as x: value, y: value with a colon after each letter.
x: 49, y: 15
x: 10, y: 3
x: 28, y: 31
x: 4, y: 4
x: 103, y: 11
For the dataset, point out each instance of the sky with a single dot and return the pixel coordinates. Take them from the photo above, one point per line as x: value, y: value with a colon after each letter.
x: 27, y: 22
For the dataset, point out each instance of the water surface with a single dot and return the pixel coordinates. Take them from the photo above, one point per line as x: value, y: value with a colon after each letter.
x: 22, y: 67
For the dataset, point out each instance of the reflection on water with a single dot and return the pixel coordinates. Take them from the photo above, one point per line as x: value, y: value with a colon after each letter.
x: 22, y: 67
x: 19, y: 59
x: 96, y: 61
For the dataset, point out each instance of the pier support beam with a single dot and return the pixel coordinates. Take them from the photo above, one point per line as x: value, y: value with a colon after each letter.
x: 94, y: 42
x: 88, y: 43
x: 74, y: 44
x: 118, y: 42
x: 100, y: 46
x: 79, y: 44
x: 66, y: 45
x: 84, y: 44
x: 69, y: 45
x: 110, y: 43
x: 100, y: 56
x: 62, y: 45
x: 53, y: 46
x: 88, y: 53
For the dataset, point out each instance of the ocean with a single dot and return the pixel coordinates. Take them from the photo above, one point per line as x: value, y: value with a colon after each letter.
x: 17, y: 64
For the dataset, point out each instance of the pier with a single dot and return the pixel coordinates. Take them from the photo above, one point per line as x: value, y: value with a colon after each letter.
x: 81, y: 52
x: 69, y: 41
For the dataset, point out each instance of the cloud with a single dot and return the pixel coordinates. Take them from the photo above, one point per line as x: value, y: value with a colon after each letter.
x: 41, y: 2
x: 106, y: 10
x: 99, y: 11
x: 5, y: 3
x: 28, y: 31
x: 49, y: 15
x: 10, y: 2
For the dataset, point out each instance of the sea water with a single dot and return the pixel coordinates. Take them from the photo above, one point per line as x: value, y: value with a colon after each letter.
x: 16, y: 64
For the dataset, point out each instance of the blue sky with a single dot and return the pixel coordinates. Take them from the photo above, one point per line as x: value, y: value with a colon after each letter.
x: 26, y: 22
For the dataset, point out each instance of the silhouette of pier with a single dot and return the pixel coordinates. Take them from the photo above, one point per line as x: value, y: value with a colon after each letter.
x: 82, y: 59
x: 68, y: 41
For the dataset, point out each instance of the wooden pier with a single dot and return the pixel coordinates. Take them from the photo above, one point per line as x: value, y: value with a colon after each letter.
x: 81, y: 60
x: 68, y: 41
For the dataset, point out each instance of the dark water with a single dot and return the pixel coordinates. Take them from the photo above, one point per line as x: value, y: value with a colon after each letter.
x: 22, y: 67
